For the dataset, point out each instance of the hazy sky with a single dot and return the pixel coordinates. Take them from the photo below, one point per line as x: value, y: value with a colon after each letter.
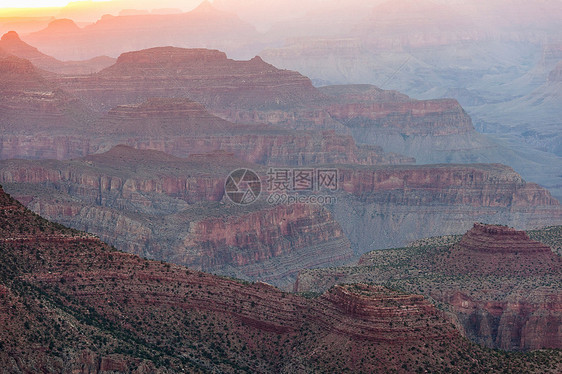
x: 150, y: 4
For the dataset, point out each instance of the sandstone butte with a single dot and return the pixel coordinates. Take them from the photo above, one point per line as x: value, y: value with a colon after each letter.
x: 72, y: 304
x: 502, y: 287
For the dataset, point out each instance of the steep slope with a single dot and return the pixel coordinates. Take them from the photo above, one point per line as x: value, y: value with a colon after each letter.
x: 502, y: 287
x: 11, y: 43
x: 89, y: 308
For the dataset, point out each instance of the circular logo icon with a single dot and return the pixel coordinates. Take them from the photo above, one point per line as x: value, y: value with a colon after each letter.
x: 243, y: 186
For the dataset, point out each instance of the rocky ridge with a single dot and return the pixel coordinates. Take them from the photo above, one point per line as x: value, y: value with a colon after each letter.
x: 116, y: 312
x: 502, y: 288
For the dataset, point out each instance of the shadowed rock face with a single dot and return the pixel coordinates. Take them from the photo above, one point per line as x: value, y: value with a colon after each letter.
x: 65, y: 293
x: 503, y: 287
x: 432, y: 131
x: 372, y: 110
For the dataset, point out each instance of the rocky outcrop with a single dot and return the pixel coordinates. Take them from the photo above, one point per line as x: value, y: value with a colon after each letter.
x: 163, y: 207
x: 521, y: 322
x: 502, y: 288
x: 268, y: 244
x: 500, y: 250
x: 82, y: 299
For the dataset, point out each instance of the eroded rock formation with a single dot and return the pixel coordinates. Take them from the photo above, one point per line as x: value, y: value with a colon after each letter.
x: 78, y: 305
x: 502, y: 287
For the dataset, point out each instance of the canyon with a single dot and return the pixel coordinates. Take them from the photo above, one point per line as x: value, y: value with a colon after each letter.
x: 251, y: 92
x: 71, y: 303
x: 174, y: 209
x: 138, y: 165
x: 501, y: 287
x: 134, y: 150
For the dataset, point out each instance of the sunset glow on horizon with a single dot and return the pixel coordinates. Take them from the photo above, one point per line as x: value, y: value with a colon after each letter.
x: 23, y: 4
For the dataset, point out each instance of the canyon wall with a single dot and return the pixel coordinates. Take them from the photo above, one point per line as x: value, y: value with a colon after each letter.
x: 389, y: 207
x: 163, y: 207
x: 160, y: 206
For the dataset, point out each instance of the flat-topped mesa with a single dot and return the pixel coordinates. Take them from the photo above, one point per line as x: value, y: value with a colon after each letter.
x: 161, y: 57
x: 500, y: 239
x: 206, y: 76
x: 62, y: 26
